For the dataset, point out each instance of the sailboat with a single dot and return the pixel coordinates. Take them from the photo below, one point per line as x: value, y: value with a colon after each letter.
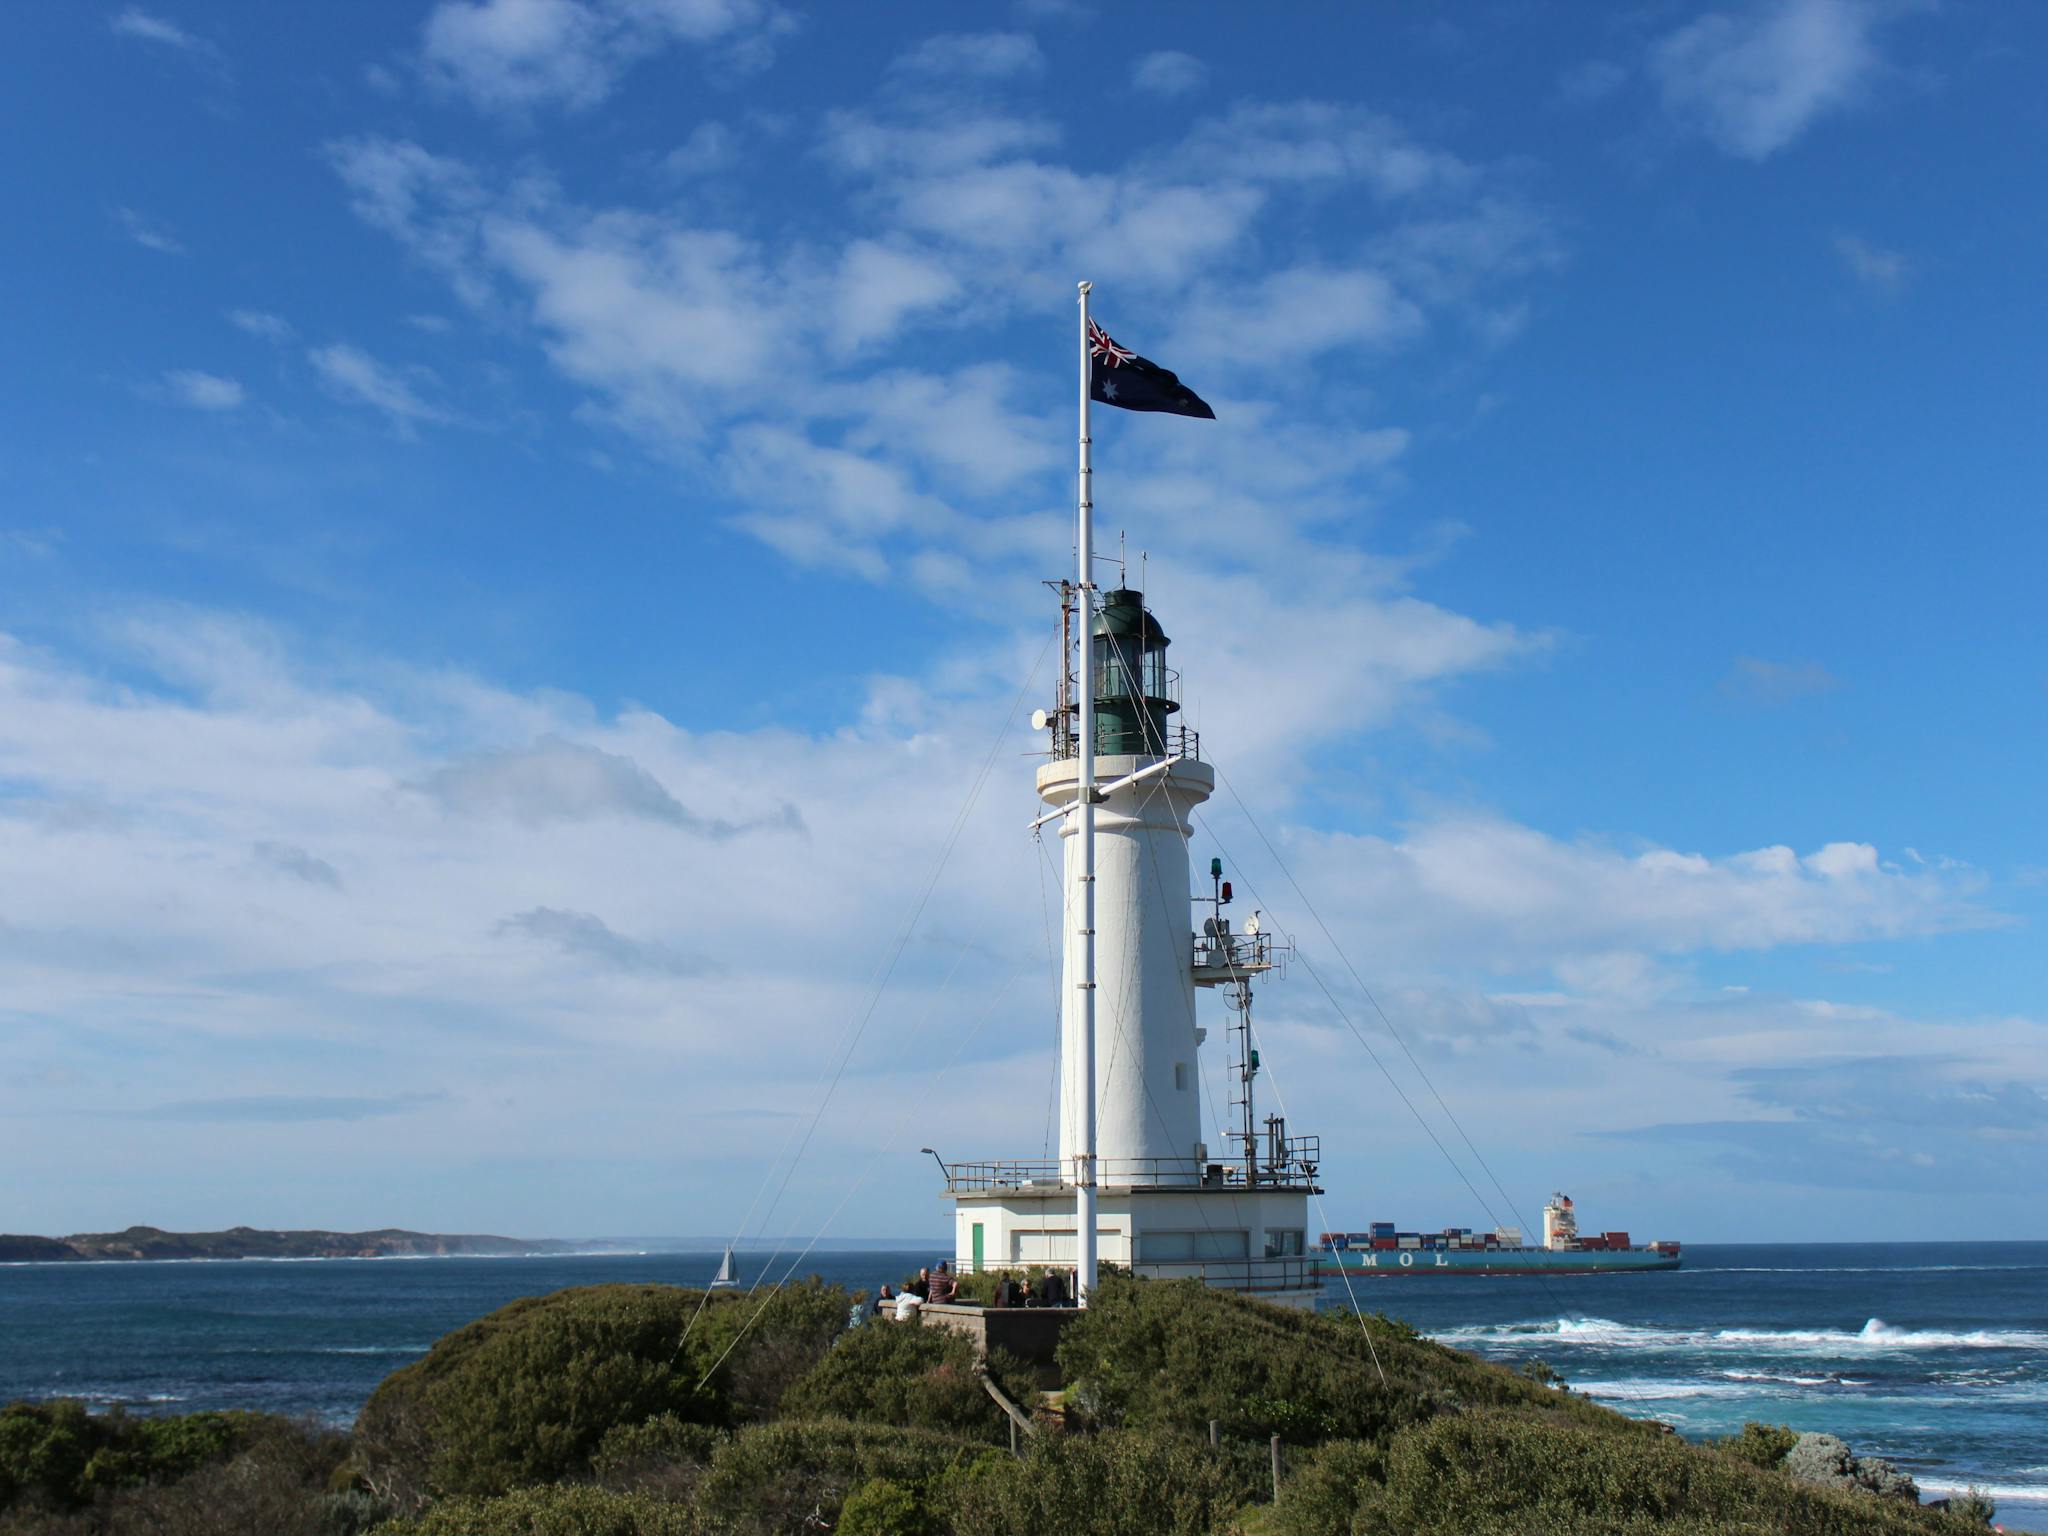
x: 726, y: 1279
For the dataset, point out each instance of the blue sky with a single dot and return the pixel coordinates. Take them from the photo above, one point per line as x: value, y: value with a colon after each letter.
x: 520, y: 523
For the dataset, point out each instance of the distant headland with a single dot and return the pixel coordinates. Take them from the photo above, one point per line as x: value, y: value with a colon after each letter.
x: 253, y: 1243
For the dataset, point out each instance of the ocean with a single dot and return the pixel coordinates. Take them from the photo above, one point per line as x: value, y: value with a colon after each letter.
x: 1935, y: 1355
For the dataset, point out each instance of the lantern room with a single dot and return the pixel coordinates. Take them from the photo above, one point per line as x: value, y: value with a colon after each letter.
x: 1135, y: 691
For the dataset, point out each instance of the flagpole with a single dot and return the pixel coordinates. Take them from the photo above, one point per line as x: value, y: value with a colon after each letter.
x: 1084, y: 540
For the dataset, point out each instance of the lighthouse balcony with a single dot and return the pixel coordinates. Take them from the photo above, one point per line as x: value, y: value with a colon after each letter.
x: 1293, y: 1169
x: 1145, y: 744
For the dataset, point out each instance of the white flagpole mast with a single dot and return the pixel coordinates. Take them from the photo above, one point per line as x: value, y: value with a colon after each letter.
x: 1084, y: 540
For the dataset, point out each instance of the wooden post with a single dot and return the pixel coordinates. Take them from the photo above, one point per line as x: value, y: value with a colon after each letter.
x: 1215, y: 1435
x: 1015, y: 1449
x: 1276, y: 1469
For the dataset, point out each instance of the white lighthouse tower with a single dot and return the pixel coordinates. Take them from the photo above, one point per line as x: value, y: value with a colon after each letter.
x: 1135, y: 1184
x: 1166, y: 1202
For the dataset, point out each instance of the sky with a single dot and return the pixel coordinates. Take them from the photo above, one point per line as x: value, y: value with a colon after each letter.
x: 522, y: 526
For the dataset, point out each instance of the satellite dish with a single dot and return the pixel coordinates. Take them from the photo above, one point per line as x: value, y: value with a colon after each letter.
x: 1251, y: 924
x: 1040, y: 719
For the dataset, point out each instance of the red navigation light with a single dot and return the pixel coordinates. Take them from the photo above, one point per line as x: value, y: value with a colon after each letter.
x: 1226, y: 890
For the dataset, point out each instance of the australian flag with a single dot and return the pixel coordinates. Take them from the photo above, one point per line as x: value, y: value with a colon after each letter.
x: 1118, y: 377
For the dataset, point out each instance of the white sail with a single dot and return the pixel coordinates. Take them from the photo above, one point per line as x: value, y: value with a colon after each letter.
x: 725, y: 1275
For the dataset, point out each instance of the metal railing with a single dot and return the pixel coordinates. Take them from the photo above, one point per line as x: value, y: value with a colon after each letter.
x: 1180, y: 741
x: 1302, y: 1156
x: 1234, y: 954
x: 1291, y: 1273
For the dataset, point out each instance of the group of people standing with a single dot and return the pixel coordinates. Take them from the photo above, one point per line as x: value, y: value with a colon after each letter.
x: 938, y: 1286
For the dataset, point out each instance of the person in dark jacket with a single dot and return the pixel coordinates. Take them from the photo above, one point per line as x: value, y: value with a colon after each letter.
x: 1052, y: 1290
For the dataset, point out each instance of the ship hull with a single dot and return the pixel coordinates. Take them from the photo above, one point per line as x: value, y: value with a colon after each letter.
x: 1383, y: 1262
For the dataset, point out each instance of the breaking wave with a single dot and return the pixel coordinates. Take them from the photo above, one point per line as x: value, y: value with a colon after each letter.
x: 1875, y: 1336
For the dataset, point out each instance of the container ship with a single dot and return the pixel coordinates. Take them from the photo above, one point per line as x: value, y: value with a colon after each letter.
x: 1381, y: 1250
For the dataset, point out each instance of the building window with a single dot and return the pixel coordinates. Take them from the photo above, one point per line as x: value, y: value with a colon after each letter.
x: 1283, y: 1245
x: 1192, y: 1247
x: 1180, y: 1076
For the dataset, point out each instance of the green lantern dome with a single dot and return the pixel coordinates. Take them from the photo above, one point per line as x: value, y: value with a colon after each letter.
x: 1135, y: 691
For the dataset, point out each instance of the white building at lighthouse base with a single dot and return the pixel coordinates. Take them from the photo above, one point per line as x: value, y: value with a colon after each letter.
x: 1253, y: 1241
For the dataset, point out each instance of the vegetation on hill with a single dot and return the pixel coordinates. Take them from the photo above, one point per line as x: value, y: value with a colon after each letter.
x: 634, y: 1410
x: 256, y: 1243
x: 67, y: 1472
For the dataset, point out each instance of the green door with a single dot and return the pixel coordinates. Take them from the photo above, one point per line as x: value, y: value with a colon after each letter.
x: 977, y: 1247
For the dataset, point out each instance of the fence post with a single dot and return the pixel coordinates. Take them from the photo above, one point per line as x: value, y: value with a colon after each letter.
x: 1215, y: 1434
x: 1276, y: 1469
x: 1015, y: 1449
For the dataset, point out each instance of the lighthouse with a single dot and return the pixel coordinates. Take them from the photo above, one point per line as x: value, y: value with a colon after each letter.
x: 1147, y: 1092
x: 1136, y: 1184
x: 1166, y: 1200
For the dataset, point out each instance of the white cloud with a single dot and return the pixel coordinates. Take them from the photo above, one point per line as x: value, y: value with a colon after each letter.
x: 1169, y: 73
x: 203, y: 391
x: 710, y: 148
x: 537, y: 921
x: 555, y: 780
x: 148, y: 234
x: 895, y: 460
x: 1884, y: 272
x: 587, y: 936
x: 516, y: 55
x: 525, y: 910
x: 144, y: 27
x: 1754, y: 680
x: 974, y: 55
x: 1321, y: 143
x: 153, y: 29
x: 1754, y: 80
x: 262, y: 325
x: 879, y: 285
x: 1295, y: 314
x: 352, y: 374
x: 288, y: 859
x: 1581, y: 909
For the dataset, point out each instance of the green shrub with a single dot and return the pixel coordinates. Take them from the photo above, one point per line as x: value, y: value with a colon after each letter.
x: 1493, y: 1471
x: 979, y: 1286
x: 58, y: 1453
x: 64, y: 1470
x: 1322, y: 1496
x: 560, y: 1510
x: 663, y: 1440
x: 882, y: 1507
x: 1828, y: 1461
x: 899, y: 1374
x: 527, y: 1394
x: 772, y: 1477
x: 1973, y: 1505
x: 1174, y: 1354
x: 1123, y: 1483
x: 44, y: 1450
x: 1761, y: 1445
